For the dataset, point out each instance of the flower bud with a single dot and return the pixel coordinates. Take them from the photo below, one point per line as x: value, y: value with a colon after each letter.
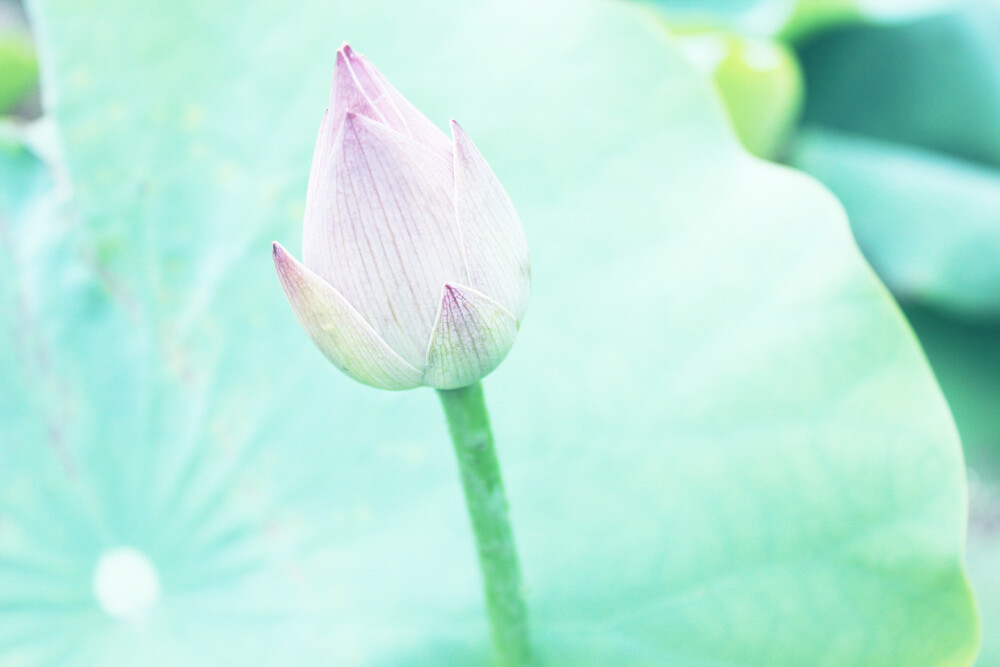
x: 415, y: 267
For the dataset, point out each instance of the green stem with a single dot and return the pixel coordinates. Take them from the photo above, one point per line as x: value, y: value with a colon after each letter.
x: 469, y: 425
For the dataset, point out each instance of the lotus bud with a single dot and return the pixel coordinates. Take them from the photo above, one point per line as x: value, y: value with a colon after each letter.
x: 415, y: 267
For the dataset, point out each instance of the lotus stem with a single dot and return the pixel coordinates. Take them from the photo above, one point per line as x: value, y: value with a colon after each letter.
x: 469, y: 425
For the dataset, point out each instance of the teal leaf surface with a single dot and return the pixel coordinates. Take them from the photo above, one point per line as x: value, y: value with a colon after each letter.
x: 722, y: 446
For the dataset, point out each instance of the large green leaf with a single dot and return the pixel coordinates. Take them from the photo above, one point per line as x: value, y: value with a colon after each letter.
x: 721, y: 443
x: 906, y: 131
x: 966, y: 359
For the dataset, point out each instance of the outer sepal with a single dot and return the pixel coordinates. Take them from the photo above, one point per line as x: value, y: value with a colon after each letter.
x: 339, y: 331
x: 472, y: 335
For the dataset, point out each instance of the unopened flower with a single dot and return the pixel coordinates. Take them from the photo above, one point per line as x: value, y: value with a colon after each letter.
x: 415, y: 264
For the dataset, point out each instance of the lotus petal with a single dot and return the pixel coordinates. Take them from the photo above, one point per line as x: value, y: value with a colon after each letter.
x: 339, y: 331
x: 496, y: 252
x: 381, y: 230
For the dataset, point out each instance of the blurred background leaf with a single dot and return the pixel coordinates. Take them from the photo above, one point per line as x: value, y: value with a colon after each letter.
x: 18, y: 69
x: 792, y: 19
x: 18, y: 64
x: 904, y: 126
x: 759, y: 81
x: 928, y: 222
x: 722, y: 445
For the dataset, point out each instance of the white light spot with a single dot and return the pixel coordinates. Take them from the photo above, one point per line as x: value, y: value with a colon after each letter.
x: 126, y: 584
x: 706, y: 52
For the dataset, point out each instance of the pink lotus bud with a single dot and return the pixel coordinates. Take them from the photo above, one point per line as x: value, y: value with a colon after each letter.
x: 415, y: 264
